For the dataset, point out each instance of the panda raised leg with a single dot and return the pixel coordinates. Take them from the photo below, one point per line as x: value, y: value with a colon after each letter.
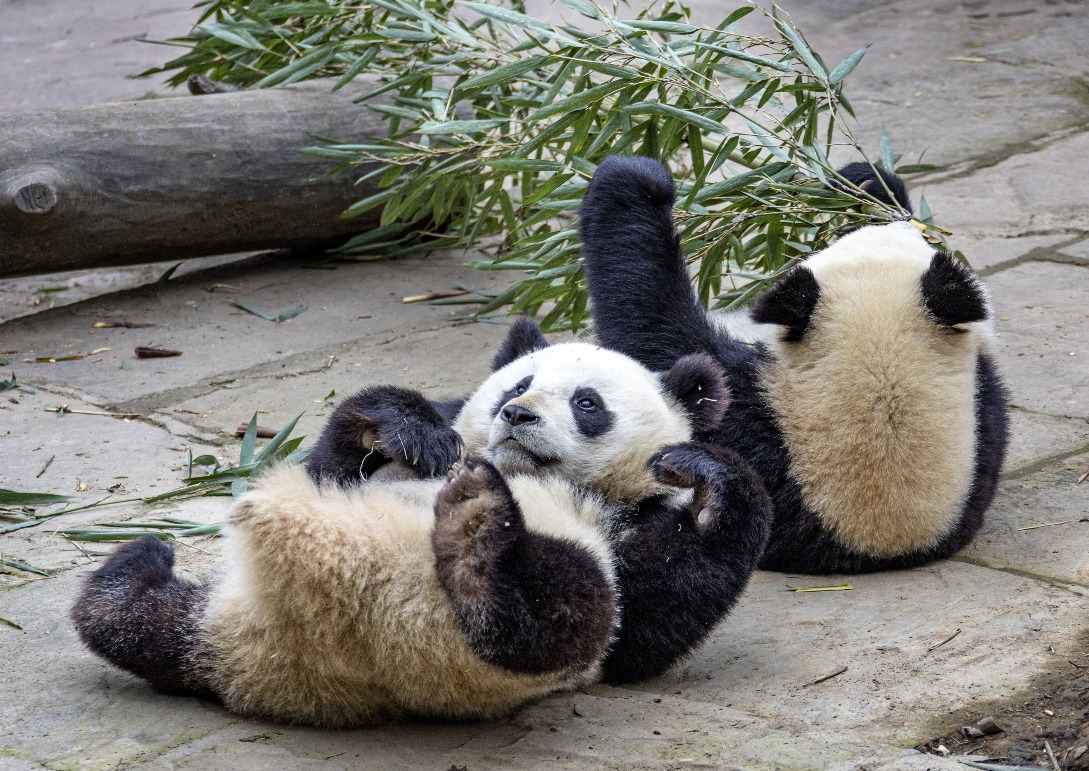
x: 526, y: 601
x: 135, y: 613
x: 682, y: 569
x: 644, y: 303
x: 393, y: 429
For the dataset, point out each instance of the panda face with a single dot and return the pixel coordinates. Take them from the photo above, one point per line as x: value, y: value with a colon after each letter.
x: 575, y: 410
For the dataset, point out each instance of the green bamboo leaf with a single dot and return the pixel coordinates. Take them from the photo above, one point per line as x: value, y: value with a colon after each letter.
x: 799, y: 46
x: 666, y: 27
x: 844, y: 68
x: 231, y: 34
x: 577, y: 101
x: 656, y: 108
x: 13, y: 498
x: 507, y: 16
x: 739, y: 181
x: 307, y: 65
x: 500, y: 74
x: 249, y: 442
x: 459, y: 126
x: 583, y: 7
x: 888, y: 158
x: 268, y: 452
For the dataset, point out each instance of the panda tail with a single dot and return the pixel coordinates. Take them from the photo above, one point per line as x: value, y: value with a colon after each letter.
x: 135, y: 613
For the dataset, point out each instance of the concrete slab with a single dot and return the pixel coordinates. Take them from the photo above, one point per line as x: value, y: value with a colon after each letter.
x: 423, y: 360
x: 1034, y: 437
x: 219, y: 339
x: 74, y: 713
x: 1019, y: 195
x: 1043, y: 327
x: 986, y: 253
x: 1039, y: 524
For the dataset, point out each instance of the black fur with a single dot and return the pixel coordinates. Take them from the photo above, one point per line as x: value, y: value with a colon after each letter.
x: 135, y: 613
x: 951, y: 292
x: 699, y: 384
x: 380, y: 425
x: 524, y: 337
x: 644, y: 306
x: 527, y: 602
x: 882, y: 185
x: 789, y: 302
x: 592, y: 416
x: 679, y: 577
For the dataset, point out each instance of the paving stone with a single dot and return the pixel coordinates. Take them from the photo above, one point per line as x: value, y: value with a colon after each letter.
x: 1019, y: 195
x: 1012, y: 539
x: 1034, y: 437
x: 90, y: 458
x: 218, y: 339
x: 1043, y: 327
x: 75, y: 713
x: 444, y: 363
x: 985, y: 253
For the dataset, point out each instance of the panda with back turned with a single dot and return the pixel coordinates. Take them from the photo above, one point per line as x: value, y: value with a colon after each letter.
x: 873, y: 410
x: 568, y: 545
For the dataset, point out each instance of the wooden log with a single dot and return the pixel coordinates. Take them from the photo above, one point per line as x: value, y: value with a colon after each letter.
x: 164, y: 179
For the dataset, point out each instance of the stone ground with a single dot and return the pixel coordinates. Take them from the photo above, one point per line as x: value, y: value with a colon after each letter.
x: 996, y: 92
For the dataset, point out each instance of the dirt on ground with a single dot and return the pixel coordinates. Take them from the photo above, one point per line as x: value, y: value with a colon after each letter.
x: 1045, y: 727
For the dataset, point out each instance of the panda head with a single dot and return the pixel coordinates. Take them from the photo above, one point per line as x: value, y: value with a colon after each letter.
x: 879, y: 284
x: 587, y: 414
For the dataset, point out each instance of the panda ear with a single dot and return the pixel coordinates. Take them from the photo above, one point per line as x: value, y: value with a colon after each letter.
x: 882, y: 185
x: 698, y: 382
x: 524, y: 337
x: 789, y: 302
x: 952, y: 293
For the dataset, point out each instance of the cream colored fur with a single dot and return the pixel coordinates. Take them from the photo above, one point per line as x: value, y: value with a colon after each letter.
x: 877, y: 402
x: 330, y: 611
x: 614, y: 465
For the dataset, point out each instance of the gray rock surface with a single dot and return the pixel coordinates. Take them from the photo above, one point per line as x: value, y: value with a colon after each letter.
x: 993, y: 92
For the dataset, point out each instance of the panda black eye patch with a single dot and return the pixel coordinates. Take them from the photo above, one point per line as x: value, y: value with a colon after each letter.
x: 591, y: 416
x: 514, y: 391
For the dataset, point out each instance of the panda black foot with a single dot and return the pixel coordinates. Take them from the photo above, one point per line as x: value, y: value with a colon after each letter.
x: 476, y: 523
x: 525, y: 601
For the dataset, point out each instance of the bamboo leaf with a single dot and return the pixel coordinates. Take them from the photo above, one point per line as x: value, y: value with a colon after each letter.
x: 844, y: 68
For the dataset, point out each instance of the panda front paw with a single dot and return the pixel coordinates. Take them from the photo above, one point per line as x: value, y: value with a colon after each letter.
x: 724, y: 487
x: 429, y: 449
x: 683, y: 465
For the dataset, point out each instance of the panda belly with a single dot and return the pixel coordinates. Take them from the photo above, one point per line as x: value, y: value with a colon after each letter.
x: 331, y: 613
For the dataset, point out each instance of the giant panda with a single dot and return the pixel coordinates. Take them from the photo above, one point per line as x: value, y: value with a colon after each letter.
x: 582, y: 536
x: 870, y: 406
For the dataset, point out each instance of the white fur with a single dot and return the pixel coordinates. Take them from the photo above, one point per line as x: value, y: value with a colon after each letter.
x: 877, y: 401
x: 645, y: 418
x: 330, y: 611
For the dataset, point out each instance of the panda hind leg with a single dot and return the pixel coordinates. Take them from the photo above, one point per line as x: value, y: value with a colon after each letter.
x: 135, y: 613
x: 681, y: 569
x: 527, y: 602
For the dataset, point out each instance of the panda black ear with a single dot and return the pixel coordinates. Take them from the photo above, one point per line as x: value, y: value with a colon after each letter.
x: 882, y: 185
x: 789, y: 302
x: 951, y: 291
x: 524, y: 337
x: 698, y: 382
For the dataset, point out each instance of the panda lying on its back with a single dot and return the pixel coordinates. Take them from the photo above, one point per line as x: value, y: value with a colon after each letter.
x: 353, y: 603
x: 875, y: 416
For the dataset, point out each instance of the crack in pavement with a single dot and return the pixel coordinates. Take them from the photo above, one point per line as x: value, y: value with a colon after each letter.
x: 1039, y: 465
x: 1042, y: 254
x: 1074, y: 587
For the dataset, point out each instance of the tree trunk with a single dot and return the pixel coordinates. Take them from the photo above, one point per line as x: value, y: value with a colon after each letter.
x: 162, y: 179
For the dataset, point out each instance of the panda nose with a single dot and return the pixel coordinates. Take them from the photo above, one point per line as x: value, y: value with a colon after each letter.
x: 516, y: 415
